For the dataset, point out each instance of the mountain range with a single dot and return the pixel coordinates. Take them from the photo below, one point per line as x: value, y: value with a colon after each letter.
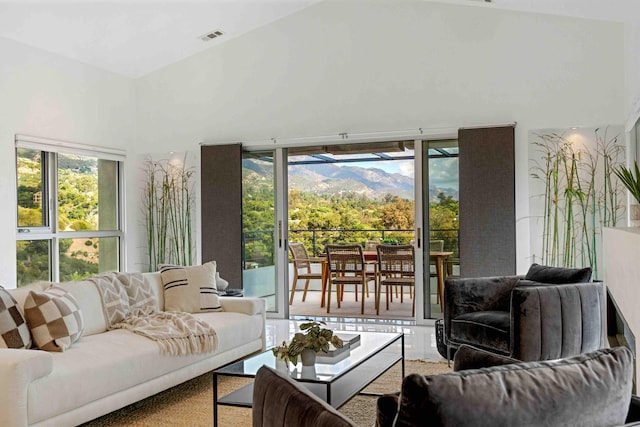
x: 330, y: 179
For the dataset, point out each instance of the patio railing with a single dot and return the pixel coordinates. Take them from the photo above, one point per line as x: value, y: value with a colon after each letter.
x: 257, y: 245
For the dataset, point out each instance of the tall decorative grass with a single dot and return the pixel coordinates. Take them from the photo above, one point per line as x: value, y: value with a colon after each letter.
x: 168, y: 203
x: 581, y: 196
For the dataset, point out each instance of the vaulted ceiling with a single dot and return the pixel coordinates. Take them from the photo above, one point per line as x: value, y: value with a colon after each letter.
x: 136, y: 37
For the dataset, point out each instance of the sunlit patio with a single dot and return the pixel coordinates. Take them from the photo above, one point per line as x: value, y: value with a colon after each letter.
x: 399, y: 309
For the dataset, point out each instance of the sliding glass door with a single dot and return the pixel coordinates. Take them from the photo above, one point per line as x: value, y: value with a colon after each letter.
x: 263, y: 234
x: 440, y: 207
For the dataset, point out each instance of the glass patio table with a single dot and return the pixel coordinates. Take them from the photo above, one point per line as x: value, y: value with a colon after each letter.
x: 335, y: 383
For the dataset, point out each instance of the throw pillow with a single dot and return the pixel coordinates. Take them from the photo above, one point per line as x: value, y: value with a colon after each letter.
x: 54, y: 319
x: 592, y: 389
x: 558, y: 275
x: 14, y: 332
x: 190, y: 289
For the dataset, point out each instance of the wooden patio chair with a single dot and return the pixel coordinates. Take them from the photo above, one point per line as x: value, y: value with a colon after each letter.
x: 302, y: 268
x: 396, y: 266
x: 346, y: 267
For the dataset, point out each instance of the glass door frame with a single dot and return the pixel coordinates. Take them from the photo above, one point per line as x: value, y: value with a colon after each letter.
x: 421, y: 225
x: 280, y: 233
x: 424, y: 314
x: 281, y: 249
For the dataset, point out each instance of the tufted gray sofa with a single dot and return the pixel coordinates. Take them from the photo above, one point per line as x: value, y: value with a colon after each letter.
x: 548, y: 314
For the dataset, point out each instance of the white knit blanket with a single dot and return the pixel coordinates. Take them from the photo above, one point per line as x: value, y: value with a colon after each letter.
x: 129, y: 303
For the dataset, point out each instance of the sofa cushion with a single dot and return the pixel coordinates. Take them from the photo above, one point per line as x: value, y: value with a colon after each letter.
x: 20, y: 294
x: 54, y: 318
x: 592, y: 389
x: 191, y: 289
x: 489, y: 329
x: 558, y: 275
x: 154, y: 280
x: 90, y: 303
x: 14, y: 332
x: 119, y: 359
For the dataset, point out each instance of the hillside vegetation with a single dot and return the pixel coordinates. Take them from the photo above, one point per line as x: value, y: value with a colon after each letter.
x: 78, y: 210
x: 345, y: 217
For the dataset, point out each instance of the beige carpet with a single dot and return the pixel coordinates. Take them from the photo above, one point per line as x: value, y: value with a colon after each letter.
x: 191, y: 403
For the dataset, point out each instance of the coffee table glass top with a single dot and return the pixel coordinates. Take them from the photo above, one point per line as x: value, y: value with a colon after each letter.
x: 370, y: 343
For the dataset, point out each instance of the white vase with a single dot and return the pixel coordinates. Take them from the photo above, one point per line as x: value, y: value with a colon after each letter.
x: 282, y: 365
x: 308, y: 372
x: 308, y: 357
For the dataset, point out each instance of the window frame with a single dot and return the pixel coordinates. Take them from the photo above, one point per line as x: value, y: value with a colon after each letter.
x: 49, y: 231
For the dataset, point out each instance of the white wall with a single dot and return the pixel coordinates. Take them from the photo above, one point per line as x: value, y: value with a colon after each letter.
x: 48, y: 96
x: 632, y: 66
x: 334, y: 67
x: 382, y: 66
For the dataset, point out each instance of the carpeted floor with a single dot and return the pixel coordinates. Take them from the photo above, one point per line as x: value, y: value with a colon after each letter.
x: 191, y: 403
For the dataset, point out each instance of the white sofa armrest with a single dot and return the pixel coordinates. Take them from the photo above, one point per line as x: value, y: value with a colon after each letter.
x: 18, y: 368
x: 249, y: 306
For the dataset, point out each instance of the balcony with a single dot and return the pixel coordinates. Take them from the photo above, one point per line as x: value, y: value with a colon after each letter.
x: 258, y: 265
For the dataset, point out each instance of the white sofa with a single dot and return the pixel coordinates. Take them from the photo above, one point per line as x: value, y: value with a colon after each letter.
x: 107, y: 370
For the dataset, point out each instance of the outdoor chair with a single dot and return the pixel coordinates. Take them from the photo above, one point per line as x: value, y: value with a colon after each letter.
x: 435, y: 246
x: 372, y: 265
x: 302, y: 268
x: 396, y: 266
x: 371, y: 245
x: 346, y: 267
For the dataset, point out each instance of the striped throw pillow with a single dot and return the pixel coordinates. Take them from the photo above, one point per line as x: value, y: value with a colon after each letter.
x: 190, y: 289
x: 54, y: 319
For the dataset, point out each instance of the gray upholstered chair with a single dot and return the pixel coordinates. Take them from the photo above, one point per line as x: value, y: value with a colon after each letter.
x: 548, y: 314
x: 591, y: 389
x: 279, y: 401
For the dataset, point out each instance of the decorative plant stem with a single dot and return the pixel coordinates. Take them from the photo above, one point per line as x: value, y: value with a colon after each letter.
x: 167, y: 212
x: 581, y: 195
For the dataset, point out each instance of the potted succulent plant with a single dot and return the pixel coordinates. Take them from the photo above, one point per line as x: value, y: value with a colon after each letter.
x: 313, y: 338
x: 630, y: 178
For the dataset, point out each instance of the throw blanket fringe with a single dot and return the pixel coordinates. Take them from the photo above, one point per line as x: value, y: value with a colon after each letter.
x: 129, y: 307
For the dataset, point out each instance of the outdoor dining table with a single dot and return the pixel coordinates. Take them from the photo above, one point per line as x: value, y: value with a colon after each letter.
x: 439, y: 257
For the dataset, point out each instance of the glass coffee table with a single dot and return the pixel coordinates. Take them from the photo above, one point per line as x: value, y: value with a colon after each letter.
x: 335, y: 383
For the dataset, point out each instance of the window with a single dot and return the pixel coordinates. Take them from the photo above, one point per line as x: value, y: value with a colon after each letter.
x: 68, y: 211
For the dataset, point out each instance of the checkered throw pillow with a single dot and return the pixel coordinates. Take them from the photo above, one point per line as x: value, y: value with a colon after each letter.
x: 14, y: 332
x: 54, y: 318
x: 190, y: 289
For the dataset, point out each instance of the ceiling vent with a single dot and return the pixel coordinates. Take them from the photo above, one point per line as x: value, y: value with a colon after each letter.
x: 211, y: 35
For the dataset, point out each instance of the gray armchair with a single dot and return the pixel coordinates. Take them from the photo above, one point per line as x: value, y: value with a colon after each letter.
x: 548, y: 314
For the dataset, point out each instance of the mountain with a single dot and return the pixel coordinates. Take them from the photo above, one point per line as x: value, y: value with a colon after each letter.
x: 329, y: 179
